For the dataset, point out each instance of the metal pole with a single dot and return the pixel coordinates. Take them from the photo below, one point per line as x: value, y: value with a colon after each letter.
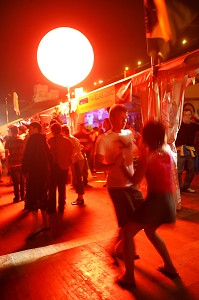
x: 69, y: 99
x: 6, y: 100
x: 68, y: 94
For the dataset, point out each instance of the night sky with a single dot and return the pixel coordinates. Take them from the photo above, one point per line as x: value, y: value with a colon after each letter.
x: 114, y: 28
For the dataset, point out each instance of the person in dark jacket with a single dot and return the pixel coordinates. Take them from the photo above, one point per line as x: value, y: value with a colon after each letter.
x: 61, y: 150
x: 14, y: 149
x: 186, y: 152
x: 36, y: 168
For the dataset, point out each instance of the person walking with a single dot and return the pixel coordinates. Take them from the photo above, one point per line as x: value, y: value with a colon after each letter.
x: 110, y: 146
x: 106, y: 126
x: 2, y: 157
x: 36, y: 167
x: 186, y: 153
x: 14, y: 150
x: 61, y: 150
x: 84, y: 137
x: 77, y: 165
x: 158, y: 208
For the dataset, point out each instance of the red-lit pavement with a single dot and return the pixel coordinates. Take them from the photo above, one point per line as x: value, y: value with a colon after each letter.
x: 76, y: 263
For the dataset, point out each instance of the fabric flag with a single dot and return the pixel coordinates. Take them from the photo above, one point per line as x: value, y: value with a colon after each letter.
x: 164, y: 20
x: 16, y: 103
x: 123, y: 93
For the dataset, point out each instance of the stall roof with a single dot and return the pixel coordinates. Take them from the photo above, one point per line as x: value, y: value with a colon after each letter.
x: 187, y: 64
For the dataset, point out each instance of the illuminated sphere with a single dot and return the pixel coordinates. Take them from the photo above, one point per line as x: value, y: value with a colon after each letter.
x: 65, y: 56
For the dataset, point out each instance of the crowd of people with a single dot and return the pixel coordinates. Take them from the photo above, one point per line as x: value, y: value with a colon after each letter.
x: 40, y: 164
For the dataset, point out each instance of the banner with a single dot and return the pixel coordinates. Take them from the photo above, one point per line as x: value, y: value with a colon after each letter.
x: 101, y: 98
x: 123, y: 92
x: 120, y: 92
x: 164, y: 19
x: 16, y: 103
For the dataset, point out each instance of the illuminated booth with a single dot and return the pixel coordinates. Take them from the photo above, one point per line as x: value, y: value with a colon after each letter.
x: 93, y: 107
x: 153, y: 93
x: 157, y: 93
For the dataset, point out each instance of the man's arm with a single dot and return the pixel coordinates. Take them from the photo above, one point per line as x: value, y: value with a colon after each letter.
x: 100, y: 165
x: 139, y: 172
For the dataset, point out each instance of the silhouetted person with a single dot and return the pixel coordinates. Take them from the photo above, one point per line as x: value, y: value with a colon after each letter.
x: 36, y: 167
x: 61, y: 150
x: 14, y: 150
x: 77, y: 165
x: 85, y: 140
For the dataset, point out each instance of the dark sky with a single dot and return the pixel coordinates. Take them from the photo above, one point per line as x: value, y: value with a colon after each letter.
x: 114, y: 28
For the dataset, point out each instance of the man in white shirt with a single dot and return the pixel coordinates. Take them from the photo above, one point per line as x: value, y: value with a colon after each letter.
x: 113, y: 148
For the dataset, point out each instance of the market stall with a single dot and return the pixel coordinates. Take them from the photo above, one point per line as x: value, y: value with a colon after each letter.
x: 157, y: 92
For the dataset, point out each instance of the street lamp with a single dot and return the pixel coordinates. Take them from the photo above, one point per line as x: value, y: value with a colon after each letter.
x: 184, y: 41
x: 125, y: 71
x: 99, y: 82
x: 65, y: 56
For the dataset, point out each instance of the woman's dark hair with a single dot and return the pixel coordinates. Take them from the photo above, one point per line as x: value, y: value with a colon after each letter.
x: 153, y: 134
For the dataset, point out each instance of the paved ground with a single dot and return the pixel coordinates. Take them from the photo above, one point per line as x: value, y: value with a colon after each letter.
x: 76, y: 263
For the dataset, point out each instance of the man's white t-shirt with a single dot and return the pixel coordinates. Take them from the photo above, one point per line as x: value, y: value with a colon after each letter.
x: 112, y: 144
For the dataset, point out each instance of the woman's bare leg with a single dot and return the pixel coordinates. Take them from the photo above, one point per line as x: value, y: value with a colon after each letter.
x: 160, y: 246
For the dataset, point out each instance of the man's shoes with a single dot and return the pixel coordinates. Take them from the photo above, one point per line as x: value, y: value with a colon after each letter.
x: 127, y: 285
x: 78, y: 202
x: 37, y: 232
x: 88, y: 186
x: 34, y: 233
x: 187, y: 190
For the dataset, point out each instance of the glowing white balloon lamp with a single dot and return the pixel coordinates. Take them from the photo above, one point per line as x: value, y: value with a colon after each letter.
x: 65, y: 56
